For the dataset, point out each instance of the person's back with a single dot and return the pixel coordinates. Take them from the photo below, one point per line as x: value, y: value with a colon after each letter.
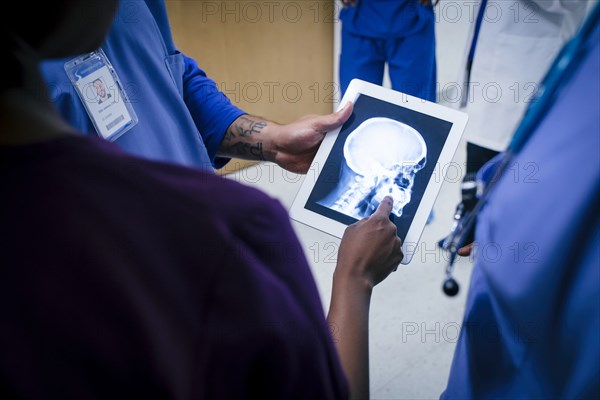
x: 532, y: 319
x: 185, y: 283
x: 125, y: 278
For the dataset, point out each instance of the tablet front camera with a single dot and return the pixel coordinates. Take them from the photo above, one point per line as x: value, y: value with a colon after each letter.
x: 384, y: 155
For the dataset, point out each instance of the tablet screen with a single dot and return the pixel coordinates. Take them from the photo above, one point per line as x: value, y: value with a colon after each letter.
x: 383, y: 149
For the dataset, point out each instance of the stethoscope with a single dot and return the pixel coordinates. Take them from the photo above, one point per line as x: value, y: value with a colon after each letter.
x: 558, y: 75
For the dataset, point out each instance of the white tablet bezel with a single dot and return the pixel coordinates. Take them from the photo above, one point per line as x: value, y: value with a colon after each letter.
x: 356, y: 88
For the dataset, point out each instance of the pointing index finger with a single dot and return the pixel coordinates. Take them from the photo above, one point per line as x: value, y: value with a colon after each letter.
x: 385, y: 207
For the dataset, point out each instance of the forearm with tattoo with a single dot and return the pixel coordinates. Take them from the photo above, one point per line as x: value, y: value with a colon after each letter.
x: 245, y: 138
x: 244, y: 126
x: 247, y: 150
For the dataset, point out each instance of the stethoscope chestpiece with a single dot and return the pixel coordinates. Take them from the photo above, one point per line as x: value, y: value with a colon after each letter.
x: 450, y: 287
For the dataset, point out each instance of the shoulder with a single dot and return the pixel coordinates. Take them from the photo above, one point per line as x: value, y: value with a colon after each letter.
x: 183, y: 189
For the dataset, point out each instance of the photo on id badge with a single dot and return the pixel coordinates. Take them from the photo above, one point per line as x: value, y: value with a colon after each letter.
x: 106, y: 109
x: 100, y: 87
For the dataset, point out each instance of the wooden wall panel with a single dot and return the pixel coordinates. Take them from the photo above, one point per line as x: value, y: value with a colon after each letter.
x: 272, y: 58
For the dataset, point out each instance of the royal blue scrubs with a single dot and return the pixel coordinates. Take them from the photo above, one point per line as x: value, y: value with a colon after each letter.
x: 399, y: 32
x: 182, y: 116
x: 532, y: 322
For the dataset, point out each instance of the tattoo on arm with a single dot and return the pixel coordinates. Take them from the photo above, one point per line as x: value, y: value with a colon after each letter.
x: 229, y: 136
x: 255, y: 151
x: 247, y: 127
x: 243, y: 139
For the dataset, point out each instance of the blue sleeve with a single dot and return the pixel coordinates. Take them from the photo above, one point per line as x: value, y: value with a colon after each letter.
x: 211, y: 110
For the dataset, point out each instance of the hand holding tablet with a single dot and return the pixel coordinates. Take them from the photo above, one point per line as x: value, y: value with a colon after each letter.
x: 393, y: 145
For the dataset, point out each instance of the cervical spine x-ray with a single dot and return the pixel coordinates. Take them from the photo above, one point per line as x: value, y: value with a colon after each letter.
x: 382, y: 157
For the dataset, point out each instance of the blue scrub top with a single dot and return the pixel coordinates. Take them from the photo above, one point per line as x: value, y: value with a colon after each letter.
x: 532, y: 322
x: 182, y: 115
x: 386, y: 19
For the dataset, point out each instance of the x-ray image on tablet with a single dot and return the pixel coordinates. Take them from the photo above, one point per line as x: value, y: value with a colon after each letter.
x: 381, y: 158
x: 392, y: 145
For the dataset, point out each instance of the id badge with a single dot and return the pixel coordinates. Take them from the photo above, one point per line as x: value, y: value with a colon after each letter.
x: 102, y: 94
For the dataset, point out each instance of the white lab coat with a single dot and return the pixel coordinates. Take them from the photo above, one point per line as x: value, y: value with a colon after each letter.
x: 517, y: 42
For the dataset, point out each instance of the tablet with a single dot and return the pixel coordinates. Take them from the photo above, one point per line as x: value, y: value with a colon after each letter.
x: 392, y: 144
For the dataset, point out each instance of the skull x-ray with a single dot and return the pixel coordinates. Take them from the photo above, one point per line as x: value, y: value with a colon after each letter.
x: 383, y: 149
x: 383, y: 157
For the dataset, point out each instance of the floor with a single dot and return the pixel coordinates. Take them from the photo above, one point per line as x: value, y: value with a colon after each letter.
x: 413, y: 325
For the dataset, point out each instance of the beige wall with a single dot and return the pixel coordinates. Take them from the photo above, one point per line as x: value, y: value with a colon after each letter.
x: 272, y: 58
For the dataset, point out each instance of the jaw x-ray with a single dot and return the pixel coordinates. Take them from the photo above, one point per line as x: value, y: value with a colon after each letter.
x: 383, y: 149
x: 382, y: 157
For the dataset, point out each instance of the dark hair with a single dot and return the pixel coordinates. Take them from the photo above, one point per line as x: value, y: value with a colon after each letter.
x: 10, y: 63
x: 28, y: 22
x: 33, y: 23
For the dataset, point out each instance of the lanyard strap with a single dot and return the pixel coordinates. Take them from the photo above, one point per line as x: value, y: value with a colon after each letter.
x: 478, y: 22
x: 471, y: 56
